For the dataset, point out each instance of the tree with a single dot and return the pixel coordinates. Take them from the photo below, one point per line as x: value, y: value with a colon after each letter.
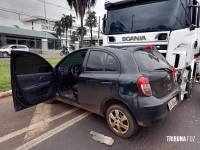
x: 67, y: 22
x: 58, y: 28
x: 74, y: 37
x: 81, y: 31
x: 80, y: 7
x: 91, y: 21
x: 71, y: 21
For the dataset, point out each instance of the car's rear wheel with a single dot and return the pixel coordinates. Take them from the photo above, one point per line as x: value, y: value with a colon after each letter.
x: 121, y: 121
x: 5, y: 54
x: 61, y: 53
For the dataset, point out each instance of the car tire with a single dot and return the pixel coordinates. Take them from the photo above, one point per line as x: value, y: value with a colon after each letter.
x: 61, y: 53
x: 5, y: 54
x: 121, y: 121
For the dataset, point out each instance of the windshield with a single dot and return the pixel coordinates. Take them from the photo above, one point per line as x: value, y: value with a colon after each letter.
x: 146, y: 17
x: 151, y: 61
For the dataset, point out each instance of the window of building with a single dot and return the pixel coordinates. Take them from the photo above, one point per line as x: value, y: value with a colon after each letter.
x: 22, y: 42
x: 51, y: 44
x: 43, y: 21
x: 11, y: 41
x: 38, y: 44
x: 57, y: 44
x: 52, y: 23
x: 0, y: 42
x: 31, y: 44
x: 43, y: 27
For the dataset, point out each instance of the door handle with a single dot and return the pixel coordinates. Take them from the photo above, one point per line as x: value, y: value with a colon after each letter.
x: 106, y: 83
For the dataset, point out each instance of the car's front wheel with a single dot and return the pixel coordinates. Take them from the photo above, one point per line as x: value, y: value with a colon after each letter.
x: 121, y: 121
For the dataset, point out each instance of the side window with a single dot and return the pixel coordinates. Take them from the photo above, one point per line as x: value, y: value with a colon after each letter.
x: 74, y: 59
x: 13, y: 47
x: 96, y: 61
x: 21, y: 47
x: 101, y: 61
x: 111, y: 64
x: 31, y: 64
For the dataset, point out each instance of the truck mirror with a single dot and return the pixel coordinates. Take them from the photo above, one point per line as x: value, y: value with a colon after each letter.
x: 104, y: 23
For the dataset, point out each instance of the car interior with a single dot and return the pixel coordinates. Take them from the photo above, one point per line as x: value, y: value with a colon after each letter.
x: 68, y: 75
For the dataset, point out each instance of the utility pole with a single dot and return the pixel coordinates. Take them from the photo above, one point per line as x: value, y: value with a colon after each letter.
x: 45, y: 16
x: 99, y: 32
x: 45, y: 41
x: 19, y: 16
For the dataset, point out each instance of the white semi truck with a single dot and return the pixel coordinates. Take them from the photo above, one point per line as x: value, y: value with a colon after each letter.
x: 170, y: 25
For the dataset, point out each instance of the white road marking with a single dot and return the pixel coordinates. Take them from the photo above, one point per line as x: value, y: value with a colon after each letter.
x: 42, y: 112
x: 36, y: 125
x: 52, y: 132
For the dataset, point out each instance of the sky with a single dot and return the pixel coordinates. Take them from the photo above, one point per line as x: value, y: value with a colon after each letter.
x: 54, y: 10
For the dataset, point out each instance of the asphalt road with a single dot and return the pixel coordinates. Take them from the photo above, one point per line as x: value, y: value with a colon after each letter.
x: 63, y: 127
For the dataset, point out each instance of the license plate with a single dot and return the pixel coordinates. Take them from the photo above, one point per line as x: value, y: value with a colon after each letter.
x: 172, y: 103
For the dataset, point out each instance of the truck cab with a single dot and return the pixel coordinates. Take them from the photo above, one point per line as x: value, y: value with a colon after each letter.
x: 170, y: 25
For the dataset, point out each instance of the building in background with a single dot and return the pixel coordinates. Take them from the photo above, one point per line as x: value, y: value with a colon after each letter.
x: 35, y: 29
x: 33, y: 39
x: 38, y: 24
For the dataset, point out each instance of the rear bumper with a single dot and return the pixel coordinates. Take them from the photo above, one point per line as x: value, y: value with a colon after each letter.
x: 151, y: 110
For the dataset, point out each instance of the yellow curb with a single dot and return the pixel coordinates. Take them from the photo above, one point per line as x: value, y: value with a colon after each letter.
x: 5, y: 94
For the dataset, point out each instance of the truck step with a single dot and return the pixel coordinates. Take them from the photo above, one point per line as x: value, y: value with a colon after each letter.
x: 184, y: 92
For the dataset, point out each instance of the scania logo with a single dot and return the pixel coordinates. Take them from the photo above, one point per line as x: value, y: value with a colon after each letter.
x: 134, y: 38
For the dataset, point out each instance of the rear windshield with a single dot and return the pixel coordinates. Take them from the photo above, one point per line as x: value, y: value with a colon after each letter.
x: 151, y: 60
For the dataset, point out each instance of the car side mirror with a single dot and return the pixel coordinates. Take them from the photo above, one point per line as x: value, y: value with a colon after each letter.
x: 104, y: 24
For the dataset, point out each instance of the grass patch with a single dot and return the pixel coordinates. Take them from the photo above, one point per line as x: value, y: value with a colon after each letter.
x: 5, y: 73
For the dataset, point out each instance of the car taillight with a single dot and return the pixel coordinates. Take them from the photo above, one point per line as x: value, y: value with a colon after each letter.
x: 144, y: 86
x: 174, y: 74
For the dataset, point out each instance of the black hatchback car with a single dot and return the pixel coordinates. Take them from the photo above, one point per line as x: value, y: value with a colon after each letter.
x: 130, y: 86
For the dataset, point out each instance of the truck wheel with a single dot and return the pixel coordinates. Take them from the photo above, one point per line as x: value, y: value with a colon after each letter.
x: 5, y: 54
x: 121, y: 121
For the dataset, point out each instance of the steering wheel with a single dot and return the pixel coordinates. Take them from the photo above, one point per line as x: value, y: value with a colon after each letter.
x: 75, y: 70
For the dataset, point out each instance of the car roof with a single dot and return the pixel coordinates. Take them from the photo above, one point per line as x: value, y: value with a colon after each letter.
x: 118, y: 48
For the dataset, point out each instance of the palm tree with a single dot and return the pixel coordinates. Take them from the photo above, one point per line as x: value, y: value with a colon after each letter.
x: 81, y: 31
x: 80, y: 7
x: 58, y: 28
x: 65, y: 24
x: 91, y: 21
x: 71, y: 21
